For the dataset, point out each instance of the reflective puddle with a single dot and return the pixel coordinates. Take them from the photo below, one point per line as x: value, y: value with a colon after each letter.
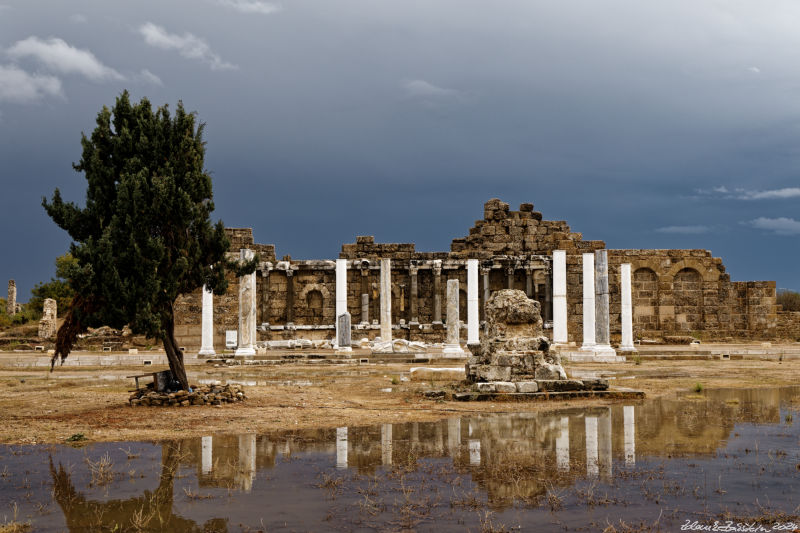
x: 722, y: 455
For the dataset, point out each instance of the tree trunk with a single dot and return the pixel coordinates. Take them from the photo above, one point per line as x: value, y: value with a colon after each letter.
x: 174, y: 355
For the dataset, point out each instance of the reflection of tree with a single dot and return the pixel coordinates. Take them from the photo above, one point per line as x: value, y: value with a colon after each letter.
x: 152, y: 511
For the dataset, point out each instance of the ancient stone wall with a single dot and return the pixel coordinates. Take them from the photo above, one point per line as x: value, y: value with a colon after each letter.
x: 674, y: 291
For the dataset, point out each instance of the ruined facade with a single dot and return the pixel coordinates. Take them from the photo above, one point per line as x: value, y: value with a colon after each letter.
x: 674, y: 292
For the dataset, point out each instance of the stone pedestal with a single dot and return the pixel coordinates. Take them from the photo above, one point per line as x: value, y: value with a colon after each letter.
x: 247, y: 310
x: 514, y: 348
x: 343, y: 330
x: 473, y: 316
x: 601, y: 332
x: 626, y: 315
x: 560, y: 297
x: 207, y: 325
x: 452, y: 346
x: 588, y: 303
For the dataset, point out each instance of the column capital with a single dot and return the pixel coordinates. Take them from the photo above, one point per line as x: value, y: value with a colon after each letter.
x: 485, y: 270
x: 437, y: 267
x: 413, y: 269
x: 289, y: 272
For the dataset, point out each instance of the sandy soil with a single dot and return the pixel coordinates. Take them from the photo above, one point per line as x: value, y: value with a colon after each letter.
x: 39, y: 407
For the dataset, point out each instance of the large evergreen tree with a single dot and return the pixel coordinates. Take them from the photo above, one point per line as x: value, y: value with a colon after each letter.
x: 145, y: 235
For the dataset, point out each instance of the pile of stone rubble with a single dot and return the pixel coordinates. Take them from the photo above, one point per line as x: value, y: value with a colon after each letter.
x: 202, y: 395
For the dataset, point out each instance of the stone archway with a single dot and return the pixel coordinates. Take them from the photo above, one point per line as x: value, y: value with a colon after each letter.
x: 319, y: 307
x: 687, y: 290
x: 645, y: 300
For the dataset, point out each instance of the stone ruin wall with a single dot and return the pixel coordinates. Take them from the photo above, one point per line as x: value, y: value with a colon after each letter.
x: 675, y: 292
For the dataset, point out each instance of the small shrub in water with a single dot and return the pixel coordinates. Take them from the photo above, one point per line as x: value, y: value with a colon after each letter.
x: 698, y: 387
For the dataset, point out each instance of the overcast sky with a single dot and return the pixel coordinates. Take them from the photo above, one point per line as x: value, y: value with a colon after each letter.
x: 645, y: 124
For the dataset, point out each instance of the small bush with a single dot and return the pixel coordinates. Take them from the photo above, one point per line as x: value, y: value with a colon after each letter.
x: 698, y: 387
x: 790, y: 300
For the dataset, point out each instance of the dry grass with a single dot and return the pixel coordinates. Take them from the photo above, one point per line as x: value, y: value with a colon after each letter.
x: 54, y: 409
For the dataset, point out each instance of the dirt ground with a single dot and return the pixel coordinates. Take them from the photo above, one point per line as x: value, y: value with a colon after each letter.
x: 39, y: 407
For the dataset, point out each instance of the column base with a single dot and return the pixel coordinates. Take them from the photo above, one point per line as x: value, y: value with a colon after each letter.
x: 453, y: 350
x: 588, y: 347
x: 630, y: 348
x: 207, y: 352
x: 244, y: 352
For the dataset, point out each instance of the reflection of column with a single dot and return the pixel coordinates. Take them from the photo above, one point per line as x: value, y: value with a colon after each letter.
x: 414, y: 435
x: 628, y: 415
x: 437, y: 291
x: 588, y: 302
x: 472, y: 301
x: 562, y: 446
x: 591, y: 446
x: 386, y: 444
x: 453, y: 435
x: 438, y: 437
x: 626, y: 316
x: 247, y: 460
x: 341, y: 447
x: 341, y: 294
x: 559, y: 297
x: 412, y: 271
x: 207, y: 340
x: 474, y: 452
x: 386, y: 300
x: 604, y: 443
x: 247, y: 309
x: 207, y: 456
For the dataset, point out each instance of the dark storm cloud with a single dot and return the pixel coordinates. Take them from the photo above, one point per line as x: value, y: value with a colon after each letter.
x: 331, y: 119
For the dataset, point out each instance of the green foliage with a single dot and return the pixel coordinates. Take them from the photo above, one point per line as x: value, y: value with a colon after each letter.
x: 145, y: 235
x: 698, y: 387
x: 790, y: 300
x: 26, y: 314
x: 57, y: 288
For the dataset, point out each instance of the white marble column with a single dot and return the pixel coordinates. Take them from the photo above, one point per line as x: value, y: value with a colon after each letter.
x: 562, y: 445
x: 386, y: 300
x: 452, y: 346
x: 560, y: 297
x: 247, y: 310
x: 386, y: 444
x: 591, y: 446
x: 588, y: 302
x: 341, y: 301
x: 341, y: 447
x: 473, y: 317
x: 626, y: 316
x: 629, y: 433
x: 207, y: 336
x: 207, y: 455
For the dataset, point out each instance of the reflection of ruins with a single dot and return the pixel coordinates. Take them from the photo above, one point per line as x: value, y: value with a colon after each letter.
x: 533, y: 449
x: 152, y: 511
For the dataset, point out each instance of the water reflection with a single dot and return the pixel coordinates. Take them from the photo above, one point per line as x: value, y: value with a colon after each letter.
x: 506, y: 457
